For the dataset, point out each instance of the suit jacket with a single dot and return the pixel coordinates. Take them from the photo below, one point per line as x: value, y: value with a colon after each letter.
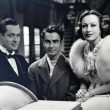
x: 63, y: 84
x: 8, y: 74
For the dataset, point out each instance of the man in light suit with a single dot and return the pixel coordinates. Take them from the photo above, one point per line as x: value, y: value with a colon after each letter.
x: 13, y: 67
x: 51, y: 77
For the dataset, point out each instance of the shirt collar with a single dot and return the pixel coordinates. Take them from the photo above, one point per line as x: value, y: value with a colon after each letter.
x: 49, y: 62
x: 3, y: 49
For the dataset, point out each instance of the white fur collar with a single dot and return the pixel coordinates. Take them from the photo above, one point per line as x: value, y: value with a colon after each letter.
x: 76, y: 57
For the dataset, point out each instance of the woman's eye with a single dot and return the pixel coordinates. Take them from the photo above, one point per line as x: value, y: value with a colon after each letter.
x: 93, y: 25
x: 55, y: 42
x: 84, y: 26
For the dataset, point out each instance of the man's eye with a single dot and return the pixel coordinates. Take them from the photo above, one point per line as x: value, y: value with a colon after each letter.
x: 18, y: 35
x: 10, y: 35
x: 54, y: 41
x: 47, y: 41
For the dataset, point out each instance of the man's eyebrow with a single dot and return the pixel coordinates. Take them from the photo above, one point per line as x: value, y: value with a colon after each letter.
x: 52, y: 39
x: 47, y: 40
x: 55, y: 39
x: 13, y: 34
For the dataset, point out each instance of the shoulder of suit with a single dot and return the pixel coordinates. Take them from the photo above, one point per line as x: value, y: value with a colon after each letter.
x: 36, y: 63
x: 18, y: 55
x: 21, y: 57
x: 66, y: 59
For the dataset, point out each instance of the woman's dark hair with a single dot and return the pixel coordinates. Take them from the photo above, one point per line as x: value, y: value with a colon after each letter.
x: 89, y: 12
x: 53, y: 28
x: 5, y: 22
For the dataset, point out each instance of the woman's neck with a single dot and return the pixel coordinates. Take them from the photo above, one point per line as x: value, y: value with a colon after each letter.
x: 94, y: 43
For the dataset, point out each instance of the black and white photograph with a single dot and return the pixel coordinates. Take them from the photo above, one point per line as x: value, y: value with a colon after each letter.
x: 54, y: 55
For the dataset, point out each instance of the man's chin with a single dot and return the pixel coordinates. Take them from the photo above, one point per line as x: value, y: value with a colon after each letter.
x: 51, y: 54
x: 15, y: 48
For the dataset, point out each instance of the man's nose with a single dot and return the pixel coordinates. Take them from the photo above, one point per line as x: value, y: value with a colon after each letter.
x: 51, y: 44
x: 15, y: 38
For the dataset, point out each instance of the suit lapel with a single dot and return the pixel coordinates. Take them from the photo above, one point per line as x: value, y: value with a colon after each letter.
x: 59, y: 70
x: 20, y: 71
x: 44, y: 70
x: 7, y: 65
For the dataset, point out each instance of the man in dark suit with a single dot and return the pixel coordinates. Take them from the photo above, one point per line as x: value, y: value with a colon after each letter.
x: 13, y: 67
x: 51, y: 77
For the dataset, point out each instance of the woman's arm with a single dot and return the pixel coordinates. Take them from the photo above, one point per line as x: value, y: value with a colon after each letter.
x: 105, y: 88
x: 97, y: 91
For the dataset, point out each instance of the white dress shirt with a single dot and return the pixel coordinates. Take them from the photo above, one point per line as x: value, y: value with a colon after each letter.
x: 10, y: 60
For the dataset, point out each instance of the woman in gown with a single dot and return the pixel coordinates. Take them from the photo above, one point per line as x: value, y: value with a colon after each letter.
x: 90, y: 58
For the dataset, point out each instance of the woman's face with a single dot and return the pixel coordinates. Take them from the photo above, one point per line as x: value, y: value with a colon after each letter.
x: 91, y: 28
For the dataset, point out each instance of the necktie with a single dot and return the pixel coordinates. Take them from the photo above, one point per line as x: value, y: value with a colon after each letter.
x: 10, y: 56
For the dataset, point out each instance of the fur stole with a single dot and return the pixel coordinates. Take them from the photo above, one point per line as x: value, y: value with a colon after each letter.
x: 102, y: 61
x: 76, y: 58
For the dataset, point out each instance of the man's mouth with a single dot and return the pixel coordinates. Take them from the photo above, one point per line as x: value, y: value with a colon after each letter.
x: 14, y: 45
